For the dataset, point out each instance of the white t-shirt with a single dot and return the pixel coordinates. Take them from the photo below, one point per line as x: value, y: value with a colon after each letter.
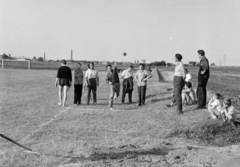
x: 230, y: 112
x: 126, y: 74
x: 216, y: 104
x: 179, y: 70
x: 188, y: 78
x: 89, y: 74
x: 141, y: 74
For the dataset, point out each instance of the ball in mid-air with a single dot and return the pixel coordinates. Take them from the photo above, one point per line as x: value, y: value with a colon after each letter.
x: 124, y: 53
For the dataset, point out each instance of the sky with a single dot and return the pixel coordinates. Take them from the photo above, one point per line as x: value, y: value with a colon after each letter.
x: 102, y: 30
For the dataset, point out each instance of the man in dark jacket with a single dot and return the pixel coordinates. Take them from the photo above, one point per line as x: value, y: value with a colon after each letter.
x: 113, y: 80
x: 203, y: 76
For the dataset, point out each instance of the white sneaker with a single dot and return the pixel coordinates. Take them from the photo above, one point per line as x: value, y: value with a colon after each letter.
x: 111, y: 109
x: 59, y: 104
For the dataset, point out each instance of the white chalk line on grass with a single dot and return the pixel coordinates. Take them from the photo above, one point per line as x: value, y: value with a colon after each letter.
x: 50, y: 121
x: 46, y: 123
x: 94, y: 109
x: 63, y: 111
x: 67, y: 108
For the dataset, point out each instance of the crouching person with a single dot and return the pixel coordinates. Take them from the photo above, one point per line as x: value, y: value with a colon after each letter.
x: 215, y: 106
x: 228, y: 112
x: 188, y: 94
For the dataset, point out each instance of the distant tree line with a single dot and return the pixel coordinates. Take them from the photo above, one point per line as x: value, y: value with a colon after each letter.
x: 5, y: 56
x: 160, y: 63
x: 37, y: 59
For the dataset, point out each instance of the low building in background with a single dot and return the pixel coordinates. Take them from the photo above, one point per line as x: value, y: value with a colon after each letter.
x: 193, y: 63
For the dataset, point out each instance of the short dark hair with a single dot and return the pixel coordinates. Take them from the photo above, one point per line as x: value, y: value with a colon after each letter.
x: 64, y: 62
x: 227, y: 102
x: 79, y: 64
x: 178, y: 56
x: 189, y: 84
x: 89, y: 64
x: 218, y: 95
x: 141, y: 64
x: 108, y: 65
x: 201, y: 52
x: 186, y: 69
x: 131, y: 66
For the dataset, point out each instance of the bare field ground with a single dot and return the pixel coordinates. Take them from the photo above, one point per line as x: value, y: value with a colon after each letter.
x: 92, y: 135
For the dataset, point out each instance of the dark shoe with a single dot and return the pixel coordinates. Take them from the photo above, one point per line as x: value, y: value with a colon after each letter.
x: 139, y: 105
x: 180, y: 112
x: 234, y: 125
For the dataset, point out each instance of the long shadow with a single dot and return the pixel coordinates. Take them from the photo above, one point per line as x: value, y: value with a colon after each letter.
x: 120, y: 155
x: 154, y: 95
x: 158, y: 100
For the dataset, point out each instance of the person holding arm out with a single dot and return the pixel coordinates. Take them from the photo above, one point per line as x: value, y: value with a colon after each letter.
x: 112, y: 79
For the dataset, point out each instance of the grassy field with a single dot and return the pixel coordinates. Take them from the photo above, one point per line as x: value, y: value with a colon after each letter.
x: 92, y: 135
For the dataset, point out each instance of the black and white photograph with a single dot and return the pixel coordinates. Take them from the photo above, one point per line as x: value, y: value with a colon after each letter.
x: 119, y: 83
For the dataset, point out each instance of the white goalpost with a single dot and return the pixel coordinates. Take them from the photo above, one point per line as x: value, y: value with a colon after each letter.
x: 4, y: 62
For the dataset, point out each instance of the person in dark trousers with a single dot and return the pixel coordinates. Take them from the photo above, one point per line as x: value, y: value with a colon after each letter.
x: 178, y: 82
x: 64, y: 81
x: 127, y: 76
x: 92, y: 82
x: 142, y: 76
x: 203, y: 76
x: 112, y: 79
x: 78, y: 84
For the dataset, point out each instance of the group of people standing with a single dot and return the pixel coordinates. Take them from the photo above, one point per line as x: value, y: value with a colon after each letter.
x: 90, y: 81
x: 182, y: 85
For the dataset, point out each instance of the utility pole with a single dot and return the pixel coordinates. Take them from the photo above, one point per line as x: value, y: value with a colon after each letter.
x: 224, y: 60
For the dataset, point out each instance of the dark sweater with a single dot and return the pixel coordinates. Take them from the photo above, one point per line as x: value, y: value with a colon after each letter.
x: 64, y: 72
x: 113, y: 76
x: 204, y: 65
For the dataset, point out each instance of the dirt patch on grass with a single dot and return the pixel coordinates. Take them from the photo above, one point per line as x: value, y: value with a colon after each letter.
x: 211, y: 133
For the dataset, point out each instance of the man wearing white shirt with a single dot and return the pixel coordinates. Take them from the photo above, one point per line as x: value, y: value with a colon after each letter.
x: 127, y: 76
x: 92, y: 81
